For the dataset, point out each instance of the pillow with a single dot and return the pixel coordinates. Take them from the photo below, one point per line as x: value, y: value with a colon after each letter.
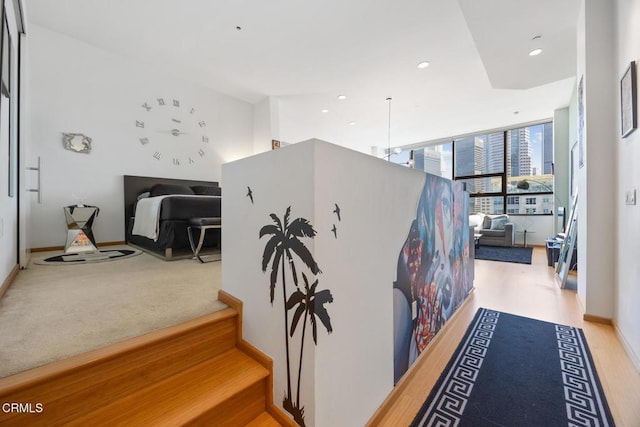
x: 165, y: 189
x: 499, y: 222
x: 206, y: 190
x: 486, y: 223
x: 144, y: 195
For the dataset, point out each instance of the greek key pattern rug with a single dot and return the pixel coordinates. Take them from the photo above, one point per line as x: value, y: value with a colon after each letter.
x: 515, y: 371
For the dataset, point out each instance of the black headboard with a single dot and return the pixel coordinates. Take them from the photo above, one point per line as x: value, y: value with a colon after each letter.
x: 136, y: 185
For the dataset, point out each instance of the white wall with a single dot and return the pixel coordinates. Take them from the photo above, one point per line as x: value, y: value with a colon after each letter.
x: 9, y: 205
x: 378, y: 202
x: 266, y: 124
x: 76, y: 87
x: 539, y: 228
x: 274, y: 189
x: 597, y: 203
x: 561, y: 159
x: 627, y: 314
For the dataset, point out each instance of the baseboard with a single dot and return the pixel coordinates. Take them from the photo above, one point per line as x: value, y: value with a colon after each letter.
x: 597, y: 319
x: 47, y: 249
x: 9, y: 280
x: 280, y: 416
x: 625, y: 344
x: 61, y: 248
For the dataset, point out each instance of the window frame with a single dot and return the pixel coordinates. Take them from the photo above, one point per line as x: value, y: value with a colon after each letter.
x: 502, y: 175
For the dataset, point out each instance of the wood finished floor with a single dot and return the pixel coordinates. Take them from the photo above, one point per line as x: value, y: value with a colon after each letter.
x: 526, y: 290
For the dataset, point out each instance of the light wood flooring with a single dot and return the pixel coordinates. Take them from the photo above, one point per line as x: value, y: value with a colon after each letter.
x: 526, y: 290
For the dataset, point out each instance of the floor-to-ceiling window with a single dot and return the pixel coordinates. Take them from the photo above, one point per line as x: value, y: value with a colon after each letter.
x: 506, y: 171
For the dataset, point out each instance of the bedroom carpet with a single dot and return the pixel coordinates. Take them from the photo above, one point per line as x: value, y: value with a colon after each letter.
x: 50, y: 313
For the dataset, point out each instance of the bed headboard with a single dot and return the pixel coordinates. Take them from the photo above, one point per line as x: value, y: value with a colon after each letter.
x: 136, y: 185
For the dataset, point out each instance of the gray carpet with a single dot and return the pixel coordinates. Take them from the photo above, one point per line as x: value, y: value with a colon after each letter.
x: 50, y: 313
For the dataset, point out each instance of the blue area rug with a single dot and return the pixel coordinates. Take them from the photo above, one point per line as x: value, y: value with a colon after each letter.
x: 515, y: 371
x: 505, y: 254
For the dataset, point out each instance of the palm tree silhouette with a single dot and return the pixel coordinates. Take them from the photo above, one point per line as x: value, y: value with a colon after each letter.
x: 284, y: 242
x: 311, y: 304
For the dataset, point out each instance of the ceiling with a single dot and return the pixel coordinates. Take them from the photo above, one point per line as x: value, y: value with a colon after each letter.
x: 304, y: 54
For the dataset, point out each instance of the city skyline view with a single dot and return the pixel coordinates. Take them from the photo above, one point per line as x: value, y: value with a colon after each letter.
x: 529, y: 151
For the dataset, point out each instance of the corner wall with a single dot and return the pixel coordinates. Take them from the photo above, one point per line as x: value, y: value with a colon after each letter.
x: 348, y: 374
x: 597, y: 203
x: 76, y: 87
x: 627, y: 151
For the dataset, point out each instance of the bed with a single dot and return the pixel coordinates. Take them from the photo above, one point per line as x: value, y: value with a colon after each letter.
x: 177, y: 201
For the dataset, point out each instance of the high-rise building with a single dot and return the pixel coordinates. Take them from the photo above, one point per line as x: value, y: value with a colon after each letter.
x: 519, y: 152
x: 432, y: 160
x: 429, y: 159
x: 547, y: 148
x: 465, y: 157
x: 495, y: 152
x: 470, y: 159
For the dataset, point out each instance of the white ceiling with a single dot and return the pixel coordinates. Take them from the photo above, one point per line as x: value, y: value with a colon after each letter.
x: 306, y: 53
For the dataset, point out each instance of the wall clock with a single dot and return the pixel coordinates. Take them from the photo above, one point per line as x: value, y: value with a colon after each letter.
x: 173, y: 133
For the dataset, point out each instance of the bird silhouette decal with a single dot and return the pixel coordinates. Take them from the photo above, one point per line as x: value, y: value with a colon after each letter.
x: 335, y: 231
x: 250, y: 194
x: 337, y: 212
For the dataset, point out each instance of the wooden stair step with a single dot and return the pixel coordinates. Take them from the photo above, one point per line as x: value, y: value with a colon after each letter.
x: 229, y: 389
x: 83, y: 383
x: 264, y: 420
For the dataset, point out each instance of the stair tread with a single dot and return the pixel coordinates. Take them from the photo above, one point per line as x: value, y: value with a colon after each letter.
x: 184, y: 396
x: 264, y: 420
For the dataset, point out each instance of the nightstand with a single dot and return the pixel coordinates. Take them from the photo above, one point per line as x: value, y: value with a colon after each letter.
x: 79, y: 219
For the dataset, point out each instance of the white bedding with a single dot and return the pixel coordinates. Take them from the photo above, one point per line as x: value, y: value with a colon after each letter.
x: 147, y: 218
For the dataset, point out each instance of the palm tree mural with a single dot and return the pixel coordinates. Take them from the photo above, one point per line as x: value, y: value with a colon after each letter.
x: 311, y: 304
x: 279, y: 250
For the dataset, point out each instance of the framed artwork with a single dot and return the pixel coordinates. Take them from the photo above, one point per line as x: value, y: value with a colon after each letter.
x: 275, y: 144
x: 628, y: 120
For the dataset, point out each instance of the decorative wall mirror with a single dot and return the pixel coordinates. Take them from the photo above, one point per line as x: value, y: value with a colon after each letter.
x: 76, y: 142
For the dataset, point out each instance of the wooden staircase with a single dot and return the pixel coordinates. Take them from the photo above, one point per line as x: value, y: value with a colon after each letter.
x: 200, y: 372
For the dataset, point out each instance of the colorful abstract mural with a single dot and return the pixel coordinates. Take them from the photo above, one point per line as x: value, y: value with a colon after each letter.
x: 433, y: 277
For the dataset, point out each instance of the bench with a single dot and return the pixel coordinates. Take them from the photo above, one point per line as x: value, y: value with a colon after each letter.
x: 202, y: 224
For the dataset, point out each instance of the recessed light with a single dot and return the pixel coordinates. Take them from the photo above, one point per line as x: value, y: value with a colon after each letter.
x: 423, y: 64
x: 352, y: 123
x: 516, y: 112
x: 325, y: 111
x: 342, y: 97
x: 238, y: 27
x: 535, y: 52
